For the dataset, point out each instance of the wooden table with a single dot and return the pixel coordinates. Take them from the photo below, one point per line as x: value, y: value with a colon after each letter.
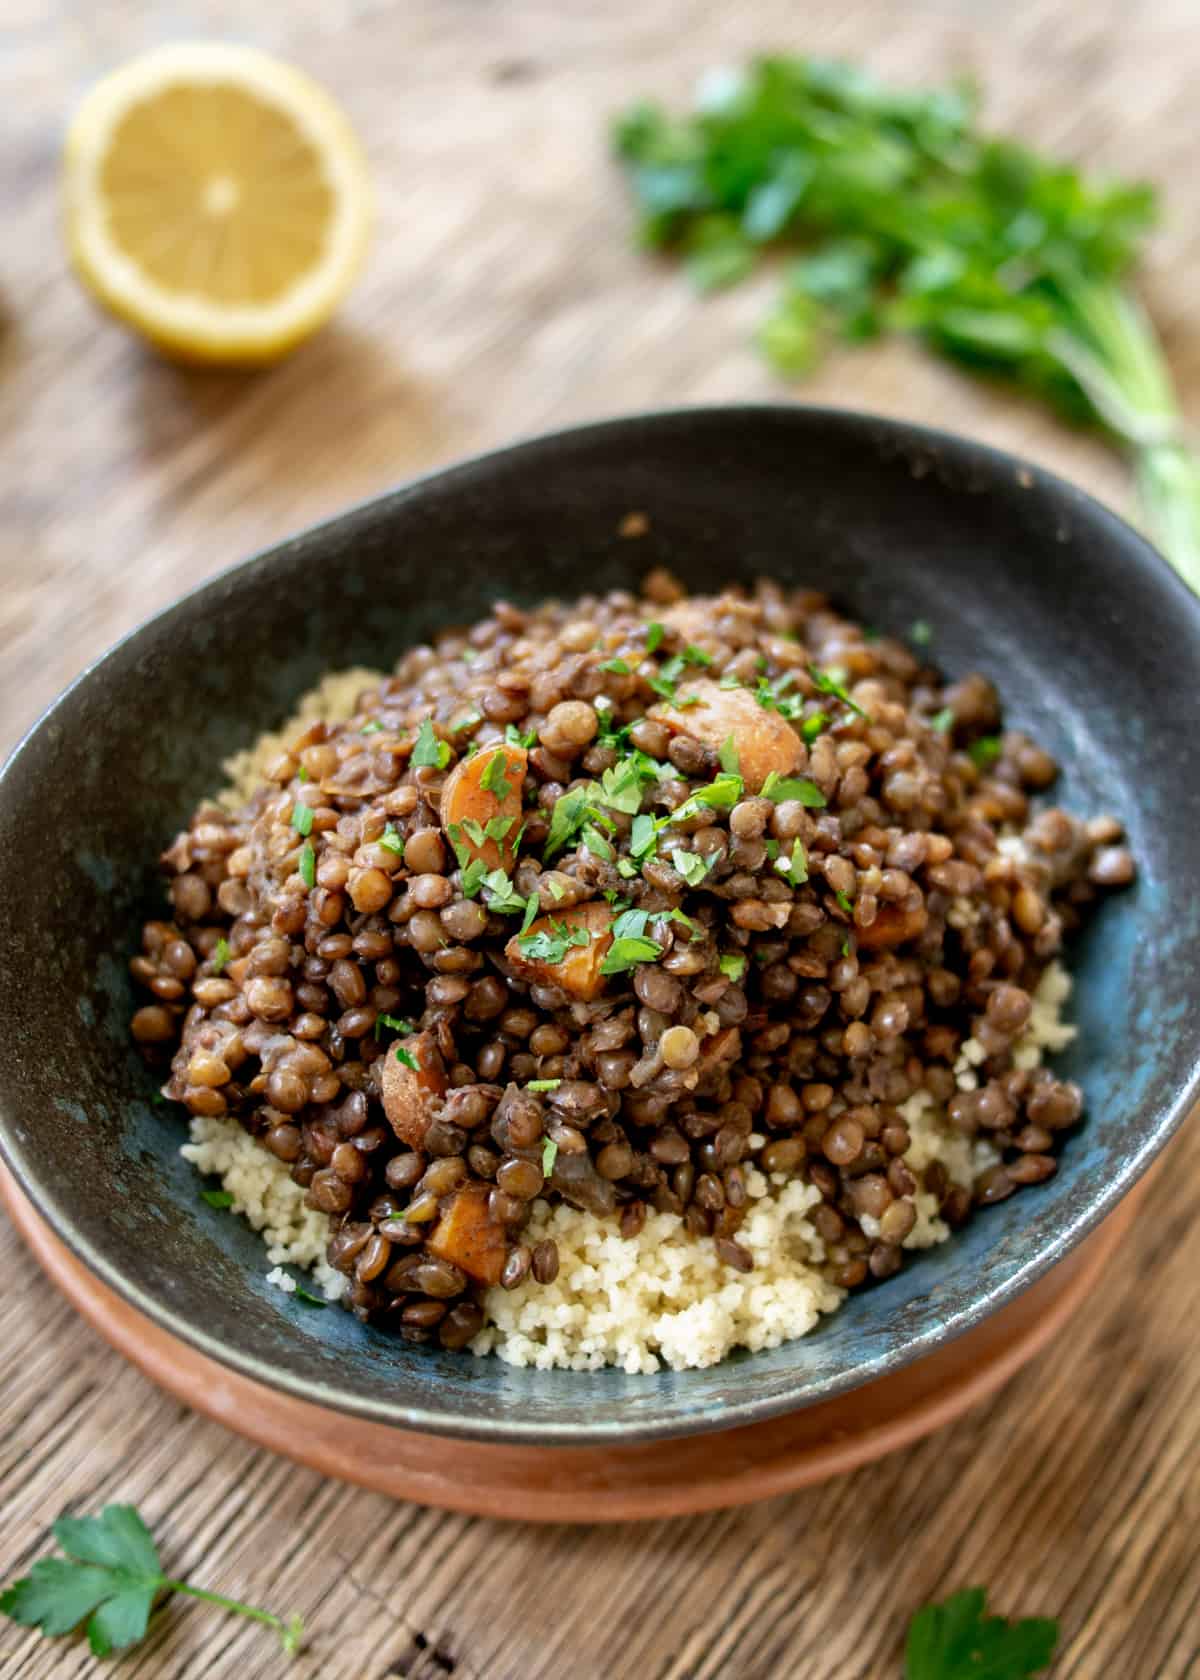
x: 502, y: 298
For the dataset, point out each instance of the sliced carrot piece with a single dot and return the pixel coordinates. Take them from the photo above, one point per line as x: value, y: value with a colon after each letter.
x: 409, y: 1093
x: 467, y: 1235
x: 579, y: 970
x: 482, y: 790
x: 765, y: 741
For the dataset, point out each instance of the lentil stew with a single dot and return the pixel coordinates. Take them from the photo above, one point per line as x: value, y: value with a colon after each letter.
x: 616, y: 905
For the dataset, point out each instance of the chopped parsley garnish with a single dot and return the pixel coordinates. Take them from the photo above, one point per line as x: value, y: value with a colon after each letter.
x: 621, y: 785
x: 302, y: 774
x: 844, y: 902
x: 543, y: 1084
x: 395, y: 1022
x: 217, y: 1198
x: 772, y: 848
x: 372, y: 728
x: 571, y: 810
x: 462, y: 851
x: 302, y: 818
x: 220, y: 954
x: 773, y: 697
x: 690, y: 865
x: 624, y: 954
x: 921, y: 632
x: 407, y: 1057
x: 630, y: 924
x: 502, y: 896
x: 663, y: 687
x: 695, y: 931
x: 308, y: 1298
x: 828, y: 682
x: 986, y: 750
x: 814, y: 726
x: 608, y: 736
x: 474, y: 873
x: 549, y: 1156
x: 719, y: 795
x: 596, y: 843
x: 620, y: 666
x: 800, y: 788
x: 733, y: 965
x: 845, y: 947
x: 467, y: 720
x: 728, y: 756
x: 626, y: 868
x: 557, y: 891
x: 729, y: 680
x: 664, y: 683
x: 531, y: 911
x: 943, y: 721
x: 515, y: 738
x: 308, y: 864
x: 643, y: 838
x: 795, y: 867
x: 550, y: 945
x: 654, y: 635
x: 474, y: 831
x: 429, y: 750
x: 493, y: 778
x: 391, y: 841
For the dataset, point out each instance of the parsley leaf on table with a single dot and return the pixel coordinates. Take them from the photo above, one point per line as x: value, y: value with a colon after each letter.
x: 955, y: 1640
x: 111, y: 1578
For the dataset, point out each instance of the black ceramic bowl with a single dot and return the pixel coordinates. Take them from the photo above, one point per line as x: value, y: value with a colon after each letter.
x: 1095, y: 645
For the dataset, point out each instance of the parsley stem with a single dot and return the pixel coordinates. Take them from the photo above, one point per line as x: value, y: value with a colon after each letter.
x: 1114, y: 355
x: 289, y: 1632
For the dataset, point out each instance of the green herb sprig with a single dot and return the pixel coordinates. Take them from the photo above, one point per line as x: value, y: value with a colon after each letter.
x: 110, y: 1579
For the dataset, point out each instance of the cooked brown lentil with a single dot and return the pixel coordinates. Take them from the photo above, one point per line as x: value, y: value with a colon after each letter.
x: 657, y: 918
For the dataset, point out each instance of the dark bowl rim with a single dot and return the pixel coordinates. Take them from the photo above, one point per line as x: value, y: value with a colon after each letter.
x: 1145, y: 561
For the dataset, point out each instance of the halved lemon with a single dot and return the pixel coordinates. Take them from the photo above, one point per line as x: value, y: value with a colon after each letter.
x: 217, y: 200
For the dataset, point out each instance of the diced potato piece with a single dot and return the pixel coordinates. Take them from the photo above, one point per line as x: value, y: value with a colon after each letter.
x: 892, y: 926
x: 579, y: 971
x: 694, y: 623
x: 409, y: 1094
x: 765, y: 740
x: 468, y: 1236
x: 465, y: 799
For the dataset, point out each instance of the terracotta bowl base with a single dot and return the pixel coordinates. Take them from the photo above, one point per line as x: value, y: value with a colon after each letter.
x: 566, y: 1484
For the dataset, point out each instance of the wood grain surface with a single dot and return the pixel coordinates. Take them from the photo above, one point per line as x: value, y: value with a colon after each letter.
x: 501, y: 298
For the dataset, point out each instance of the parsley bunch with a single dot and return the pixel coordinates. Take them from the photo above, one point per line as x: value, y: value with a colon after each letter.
x: 906, y: 216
